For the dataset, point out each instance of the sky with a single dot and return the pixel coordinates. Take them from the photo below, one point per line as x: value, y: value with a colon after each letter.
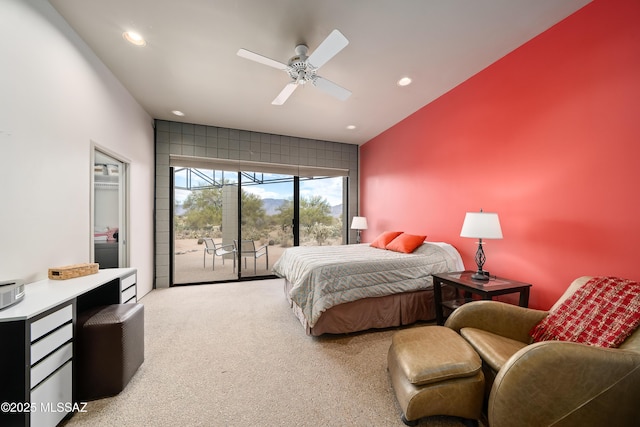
x: 329, y: 188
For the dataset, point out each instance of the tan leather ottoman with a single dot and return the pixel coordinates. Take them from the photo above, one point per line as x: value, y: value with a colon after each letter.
x: 434, y: 371
x: 110, y: 349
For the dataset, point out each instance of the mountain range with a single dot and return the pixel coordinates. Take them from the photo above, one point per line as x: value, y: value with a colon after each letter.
x: 271, y: 207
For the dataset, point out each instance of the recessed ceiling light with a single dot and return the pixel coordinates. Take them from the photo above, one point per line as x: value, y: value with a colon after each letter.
x: 405, y: 81
x: 134, y: 38
x: 351, y: 127
x: 178, y: 113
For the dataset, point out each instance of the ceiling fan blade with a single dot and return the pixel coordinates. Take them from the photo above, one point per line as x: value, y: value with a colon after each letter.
x: 262, y: 59
x: 332, y: 89
x: 285, y: 94
x: 333, y: 44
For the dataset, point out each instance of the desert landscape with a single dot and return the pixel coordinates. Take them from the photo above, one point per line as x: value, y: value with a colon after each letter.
x: 192, y: 266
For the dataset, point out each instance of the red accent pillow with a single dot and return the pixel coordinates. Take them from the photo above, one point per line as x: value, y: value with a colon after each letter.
x: 383, y: 240
x: 406, y: 243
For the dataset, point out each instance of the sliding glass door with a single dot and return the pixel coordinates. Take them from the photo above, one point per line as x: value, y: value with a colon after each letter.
x: 266, y: 221
x: 229, y: 225
x: 205, y: 218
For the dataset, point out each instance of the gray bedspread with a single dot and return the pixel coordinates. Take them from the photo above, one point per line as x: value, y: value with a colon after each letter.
x: 325, y: 276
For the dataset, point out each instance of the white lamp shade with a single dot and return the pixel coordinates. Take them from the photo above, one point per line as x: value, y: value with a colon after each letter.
x: 359, y: 223
x: 481, y: 225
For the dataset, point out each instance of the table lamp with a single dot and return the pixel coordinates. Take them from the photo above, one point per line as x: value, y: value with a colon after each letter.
x: 359, y: 223
x: 481, y: 225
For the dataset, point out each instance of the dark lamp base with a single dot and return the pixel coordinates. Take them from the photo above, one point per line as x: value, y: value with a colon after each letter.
x: 479, y: 275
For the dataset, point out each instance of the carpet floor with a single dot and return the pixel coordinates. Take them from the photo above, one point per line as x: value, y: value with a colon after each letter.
x: 234, y: 354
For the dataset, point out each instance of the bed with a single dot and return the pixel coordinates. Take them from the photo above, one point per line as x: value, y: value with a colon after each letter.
x: 350, y: 288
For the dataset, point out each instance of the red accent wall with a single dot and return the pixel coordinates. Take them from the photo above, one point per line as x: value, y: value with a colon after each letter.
x: 548, y: 137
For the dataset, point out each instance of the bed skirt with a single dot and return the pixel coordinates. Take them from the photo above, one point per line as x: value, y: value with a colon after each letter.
x: 372, y: 313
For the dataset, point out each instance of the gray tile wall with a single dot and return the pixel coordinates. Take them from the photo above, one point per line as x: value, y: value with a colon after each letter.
x: 234, y: 144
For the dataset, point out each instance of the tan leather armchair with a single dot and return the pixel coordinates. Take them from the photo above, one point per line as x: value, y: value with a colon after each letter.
x: 549, y: 383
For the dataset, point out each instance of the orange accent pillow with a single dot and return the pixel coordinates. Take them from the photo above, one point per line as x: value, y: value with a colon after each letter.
x: 406, y: 243
x: 384, y: 239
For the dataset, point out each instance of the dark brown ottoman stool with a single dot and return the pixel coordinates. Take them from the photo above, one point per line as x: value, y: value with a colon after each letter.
x: 110, y: 349
x: 434, y: 371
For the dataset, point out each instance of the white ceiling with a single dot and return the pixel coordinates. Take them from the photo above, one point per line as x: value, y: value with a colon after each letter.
x: 190, y: 62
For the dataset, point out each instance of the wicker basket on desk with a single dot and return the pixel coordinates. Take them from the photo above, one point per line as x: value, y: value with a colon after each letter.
x: 71, y: 271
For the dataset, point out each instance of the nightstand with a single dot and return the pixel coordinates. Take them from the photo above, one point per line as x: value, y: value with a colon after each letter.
x: 486, y: 289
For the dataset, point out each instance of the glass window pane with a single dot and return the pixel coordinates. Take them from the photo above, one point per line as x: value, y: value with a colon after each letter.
x: 321, y: 211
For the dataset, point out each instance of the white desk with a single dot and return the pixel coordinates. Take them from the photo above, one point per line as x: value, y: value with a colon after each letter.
x: 37, y: 335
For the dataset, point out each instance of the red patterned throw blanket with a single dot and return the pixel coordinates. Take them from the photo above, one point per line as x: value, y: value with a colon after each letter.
x: 603, y: 312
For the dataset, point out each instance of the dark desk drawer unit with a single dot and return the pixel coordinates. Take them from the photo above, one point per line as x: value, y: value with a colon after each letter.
x: 39, y: 344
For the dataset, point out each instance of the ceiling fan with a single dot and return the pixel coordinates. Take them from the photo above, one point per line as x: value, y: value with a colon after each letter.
x: 303, y: 69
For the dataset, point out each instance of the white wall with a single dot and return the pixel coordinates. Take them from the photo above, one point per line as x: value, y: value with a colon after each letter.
x: 56, y: 97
